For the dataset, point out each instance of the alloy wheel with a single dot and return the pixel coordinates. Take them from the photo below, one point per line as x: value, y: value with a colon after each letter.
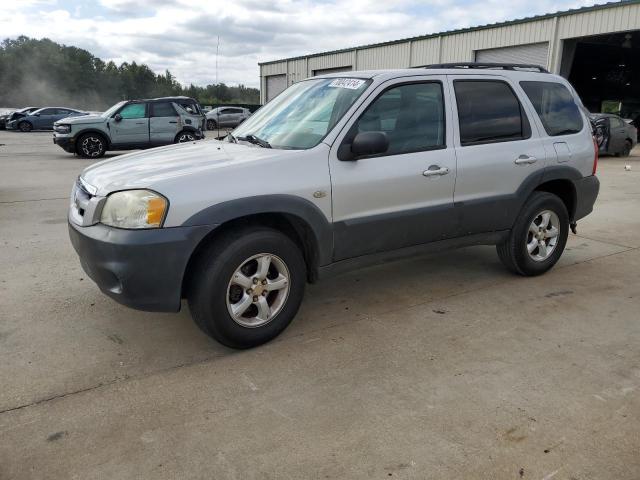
x: 543, y: 235
x: 92, y: 146
x: 258, y: 290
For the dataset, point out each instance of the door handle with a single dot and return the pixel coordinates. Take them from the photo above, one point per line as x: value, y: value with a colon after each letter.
x: 435, y: 171
x: 525, y: 160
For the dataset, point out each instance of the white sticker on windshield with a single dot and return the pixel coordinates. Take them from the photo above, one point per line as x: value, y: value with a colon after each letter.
x: 350, y: 83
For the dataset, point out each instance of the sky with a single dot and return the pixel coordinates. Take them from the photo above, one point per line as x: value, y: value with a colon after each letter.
x: 181, y: 35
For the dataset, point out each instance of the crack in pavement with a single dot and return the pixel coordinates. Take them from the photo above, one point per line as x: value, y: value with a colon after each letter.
x: 8, y: 202
x: 206, y: 359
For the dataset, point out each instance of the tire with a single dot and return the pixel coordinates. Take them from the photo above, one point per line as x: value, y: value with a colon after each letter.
x: 213, y: 293
x: 185, y: 136
x: 514, y: 252
x: 627, y: 149
x: 25, y: 126
x: 211, y: 124
x: 91, y: 145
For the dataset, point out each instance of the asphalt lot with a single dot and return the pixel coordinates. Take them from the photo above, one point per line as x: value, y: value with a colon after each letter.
x: 443, y: 367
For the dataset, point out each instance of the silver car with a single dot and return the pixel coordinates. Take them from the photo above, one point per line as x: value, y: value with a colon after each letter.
x: 132, y: 124
x: 226, y: 117
x: 342, y: 171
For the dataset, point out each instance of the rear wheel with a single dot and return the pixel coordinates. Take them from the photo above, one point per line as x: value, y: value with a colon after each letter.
x: 538, y: 237
x: 247, y: 286
x: 91, y: 145
x: 627, y: 149
x: 25, y: 126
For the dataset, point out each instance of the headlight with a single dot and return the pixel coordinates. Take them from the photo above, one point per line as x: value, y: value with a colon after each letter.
x: 62, y: 128
x: 134, y: 209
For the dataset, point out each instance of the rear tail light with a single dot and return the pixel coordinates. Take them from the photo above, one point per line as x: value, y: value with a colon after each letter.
x: 595, y: 156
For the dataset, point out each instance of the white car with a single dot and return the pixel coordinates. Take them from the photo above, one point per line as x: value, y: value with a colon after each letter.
x: 226, y: 117
x: 337, y: 172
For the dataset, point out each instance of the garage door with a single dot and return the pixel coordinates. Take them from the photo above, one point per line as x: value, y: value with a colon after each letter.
x: 275, y: 85
x: 533, y: 53
x: 323, y: 71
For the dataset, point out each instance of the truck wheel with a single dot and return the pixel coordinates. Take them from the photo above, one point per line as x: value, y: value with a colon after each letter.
x: 538, y: 237
x: 91, y: 145
x: 185, y: 136
x: 25, y: 126
x: 211, y: 124
x: 246, y: 287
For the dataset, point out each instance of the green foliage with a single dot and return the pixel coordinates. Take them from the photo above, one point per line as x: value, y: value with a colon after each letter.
x: 43, y: 72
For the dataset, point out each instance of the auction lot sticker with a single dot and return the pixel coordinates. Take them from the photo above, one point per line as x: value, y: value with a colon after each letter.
x: 350, y: 83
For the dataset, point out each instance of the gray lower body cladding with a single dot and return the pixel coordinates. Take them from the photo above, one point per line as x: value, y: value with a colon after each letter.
x: 142, y: 269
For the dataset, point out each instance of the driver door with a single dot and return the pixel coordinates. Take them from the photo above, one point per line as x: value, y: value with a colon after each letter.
x: 130, y: 125
x: 402, y: 197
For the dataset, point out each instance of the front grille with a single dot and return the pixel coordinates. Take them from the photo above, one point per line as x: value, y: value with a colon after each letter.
x: 85, y: 204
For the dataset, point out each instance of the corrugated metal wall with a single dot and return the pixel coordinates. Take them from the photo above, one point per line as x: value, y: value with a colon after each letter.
x: 462, y: 46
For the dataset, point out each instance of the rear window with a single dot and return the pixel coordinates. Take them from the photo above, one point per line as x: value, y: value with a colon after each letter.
x: 488, y: 112
x: 164, y: 109
x: 556, y: 107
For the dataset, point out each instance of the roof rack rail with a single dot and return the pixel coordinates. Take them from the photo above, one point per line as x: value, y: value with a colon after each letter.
x: 480, y: 65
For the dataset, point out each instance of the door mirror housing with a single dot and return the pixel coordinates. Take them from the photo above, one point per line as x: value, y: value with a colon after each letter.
x: 365, y: 144
x: 117, y: 117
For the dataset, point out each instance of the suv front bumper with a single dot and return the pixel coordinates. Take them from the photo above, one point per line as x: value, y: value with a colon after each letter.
x: 65, y: 141
x: 142, y: 269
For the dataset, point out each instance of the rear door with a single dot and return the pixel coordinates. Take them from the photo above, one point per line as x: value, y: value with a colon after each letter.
x: 497, y: 152
x: 133, y: 128
x: 164, y: 123
x: 403, y: 197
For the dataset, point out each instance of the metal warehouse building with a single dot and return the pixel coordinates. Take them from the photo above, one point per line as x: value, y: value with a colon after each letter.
x: 597, y: 48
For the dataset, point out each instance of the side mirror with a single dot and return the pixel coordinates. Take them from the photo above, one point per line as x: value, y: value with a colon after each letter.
x: 117, y: 117
x: 369, y: 143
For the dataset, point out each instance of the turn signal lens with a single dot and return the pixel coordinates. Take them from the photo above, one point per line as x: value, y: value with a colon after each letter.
x: 134, y: 209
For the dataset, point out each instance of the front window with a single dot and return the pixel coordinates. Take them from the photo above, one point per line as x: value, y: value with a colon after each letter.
x: 302, y: 115
x: 113, y: 109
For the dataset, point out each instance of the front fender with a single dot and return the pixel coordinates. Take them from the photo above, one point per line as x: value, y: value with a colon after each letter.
x: 292, y: 205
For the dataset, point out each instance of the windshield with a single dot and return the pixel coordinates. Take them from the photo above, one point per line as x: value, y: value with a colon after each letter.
x: 302, y: 115
x: 111, y: 110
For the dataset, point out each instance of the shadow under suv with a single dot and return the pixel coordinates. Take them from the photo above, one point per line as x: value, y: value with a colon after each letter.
x: 132, y: 124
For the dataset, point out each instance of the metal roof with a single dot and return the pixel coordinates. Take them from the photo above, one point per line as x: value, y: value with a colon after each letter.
x: 545, y: 16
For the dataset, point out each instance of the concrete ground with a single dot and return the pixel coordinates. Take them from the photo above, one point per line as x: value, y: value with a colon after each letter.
x: 443, y: 367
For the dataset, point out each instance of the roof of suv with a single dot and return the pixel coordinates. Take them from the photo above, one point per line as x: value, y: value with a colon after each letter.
x: 471, y: 68
x: 166, y: 99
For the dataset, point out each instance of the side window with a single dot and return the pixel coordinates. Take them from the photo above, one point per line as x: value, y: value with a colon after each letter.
x: 411, y: 115
x: 164, y: 109
x: 225, y: 111
x: 555, y: 106
x: 48, y: 111
x: 236, y: 110
x: 488, y: 112
x: 134, y: 110
x: 62, y: 111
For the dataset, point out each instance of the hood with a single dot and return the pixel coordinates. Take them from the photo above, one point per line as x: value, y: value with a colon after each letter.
x: 160, y: 166
x: 81, y: 118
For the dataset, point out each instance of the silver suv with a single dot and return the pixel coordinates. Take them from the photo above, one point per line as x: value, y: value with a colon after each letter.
x: 339, y: 172
x: 225, y: 117
x: 132, y: 124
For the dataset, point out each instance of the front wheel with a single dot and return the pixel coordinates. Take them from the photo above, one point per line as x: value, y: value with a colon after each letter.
x: 91, y: 145
x: 25, y: 126
x: 184, y: 137
x: 211, y: 124
x: 538, y: 237
x: 246, y: 287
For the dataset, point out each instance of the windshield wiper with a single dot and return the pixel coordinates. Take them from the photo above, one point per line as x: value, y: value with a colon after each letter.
x: 232, y: 138
x: 256, y: 141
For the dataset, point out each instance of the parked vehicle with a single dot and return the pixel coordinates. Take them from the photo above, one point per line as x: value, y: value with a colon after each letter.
x: 131, y: 125
x: 42, y: 119
x: 336, y: 173
x: 226, y: 117
x: 613, y: 135
x: 7, y: 116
